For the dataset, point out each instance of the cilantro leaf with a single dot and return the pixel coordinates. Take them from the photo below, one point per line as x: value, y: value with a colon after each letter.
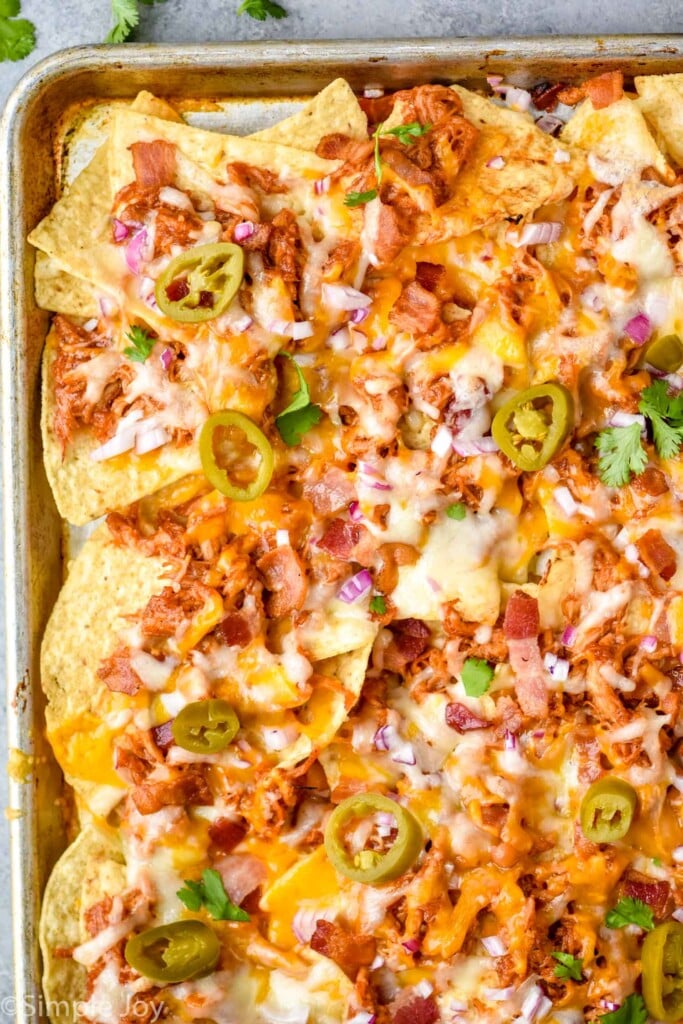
x: 143, y: 343
x: 378, y: 605
x: 301, y: 414
x: 211, y: 894
x: 405, y: 133
x: 568, y: 966
x: 630, y: 911
x: 621, y: 454
x: 17, y: 35
x: 359, y: 198
x: 261, y: 9
x: 631, y: 1011
x: 457, y: 511
x: 476, y: 676
x: 127, y: 17
x: 665, y: 413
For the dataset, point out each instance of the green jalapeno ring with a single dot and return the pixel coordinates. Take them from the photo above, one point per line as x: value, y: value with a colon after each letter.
x: 217, y: 476
x: 214, y: 271
x: 665, y: 353
x: 174, y: 952
x: 662, y: 959
x: 370, y: 867
x: 524, y: 429
x: 607, y: 810
x: 205, y: 726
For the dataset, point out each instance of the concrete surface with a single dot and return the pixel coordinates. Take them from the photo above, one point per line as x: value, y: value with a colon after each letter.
x: 62, y: 23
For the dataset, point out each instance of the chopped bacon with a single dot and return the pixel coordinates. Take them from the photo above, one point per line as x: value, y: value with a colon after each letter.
x: 348, y: 950
x: 154, y: 163
x: 242, y: 873
x: 416, y: 311
x: 605, y: 89
x: 136, y: 755
x: 166, y: 612
x: 651, y: 482
x: 227, y: 833
x: 545, y: 96
x: 653, y: 892
x: 236, y: 629
x: 163, y: 736
x: 521, y: 617
x: 333, y: 491
x: 410, y: 639
x: 351, y: 542
x: 118, y: 674
x: 657, y: 554
x: 285, y: 577
x: 461, y: 719
x: 429, y: 275
x: 416, y: 1010
x: 186, y: 788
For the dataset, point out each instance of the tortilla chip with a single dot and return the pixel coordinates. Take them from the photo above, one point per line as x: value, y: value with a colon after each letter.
x: 335, y: 109
x: 618, y: 138
x: 661, y: 101
x: 89, y: 869
x: 59, y: 292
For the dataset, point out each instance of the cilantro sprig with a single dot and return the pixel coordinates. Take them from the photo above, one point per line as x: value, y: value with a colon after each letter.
x: 210, y: 893
x: 476, y: 676
x: 261, y: 9
x: 378, y: 605
x: 142, y: 344
x: 127, y: 17
x: 301, y: 414
x: 457, y: 511
x: 630, y: 911
x: 17, y: 35
x: 631, y: 1011
x: 621, y: 449
x: 406, y: 134
x: 568, y: 966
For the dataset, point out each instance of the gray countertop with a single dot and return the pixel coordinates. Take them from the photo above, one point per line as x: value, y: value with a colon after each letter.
x: 62, y: 23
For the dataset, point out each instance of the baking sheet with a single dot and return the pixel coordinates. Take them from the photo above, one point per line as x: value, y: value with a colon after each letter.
x: 250, y: 80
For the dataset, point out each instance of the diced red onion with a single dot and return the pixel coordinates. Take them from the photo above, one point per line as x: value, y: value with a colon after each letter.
x: 242, y: 324
x: 359, y: 315
x: 107, y: 305
x: 494, y: 80
x: 381, y: 737
x: 565, y: 499
x: 458, y: 1006
x: 376, y: 481
x: 498, y: 995
x: 279, y: 739
x: 549, y: 124
x: 569, y: 636
x: 433, y: 585
x: 373, y: 92
x: 343, y: 296
x: 639, y: 328
x: 677, y: 855
x: 423, y: 989
x: 146, y: 287
x: 541, y: 233
x: 306, y: 919
x: 121, y: 442
x: 404, y: 754
x: 296, y: 329
x: 121, y: 230
x: 363, y: 1017
x: 648, y: 644
x: 245, y: 229
x: 355, y: 514
x: 322, y: 185
x: 627, y: 419
x: 282, y: 538
x: 480, y: 446
x: 411, y: 946
x: 533, y: 1003
x: 510, y: 740
x: 378, y: 344
x: 166, y: 358
x: 496, y: 163
x: 609, y: 1004
x: 562, y: 156
x: 90, y: 325
x: 678, y: 915
x: 356, y: 587
x: 515, y: 97
x: 135, y: 250
x: 339, y: 339
x: 150, y: 440
x: 674, y: 380
x: 557, y: 667
x: 442, y: 442
x: 494, y: 945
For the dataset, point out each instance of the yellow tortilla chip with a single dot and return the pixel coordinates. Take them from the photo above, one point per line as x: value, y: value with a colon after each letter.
x: 59, y: 292
x: 661, y: 101
x: 619, y: 141
x: 335, y: 109
x: 88, y: 870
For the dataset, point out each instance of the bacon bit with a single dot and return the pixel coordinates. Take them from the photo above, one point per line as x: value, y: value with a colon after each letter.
x: 348, y: 950
x: 416, y: 311
x: 419, y: 1010
x: 429, y: 275
x: 236, y: 630
x: 650, y: 482
x: 545, y: 96
x: 410, y: 639
x: 117, y: 673
x: 571, y: 95
x: 654, y: 893
x: 136, y: 755
x: 226, y: 833
x: 166, y: 612
x: 332, y: 492
x: 187, y: 788
x: 522, y: 619
x: 163, y: 736
x: 461, y: 719
x: 154, y: 163
x: 605, y: 89
x: 242, y: 873
x: 285, y: 577
x: 351, y: 542
x: 657, y: 554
